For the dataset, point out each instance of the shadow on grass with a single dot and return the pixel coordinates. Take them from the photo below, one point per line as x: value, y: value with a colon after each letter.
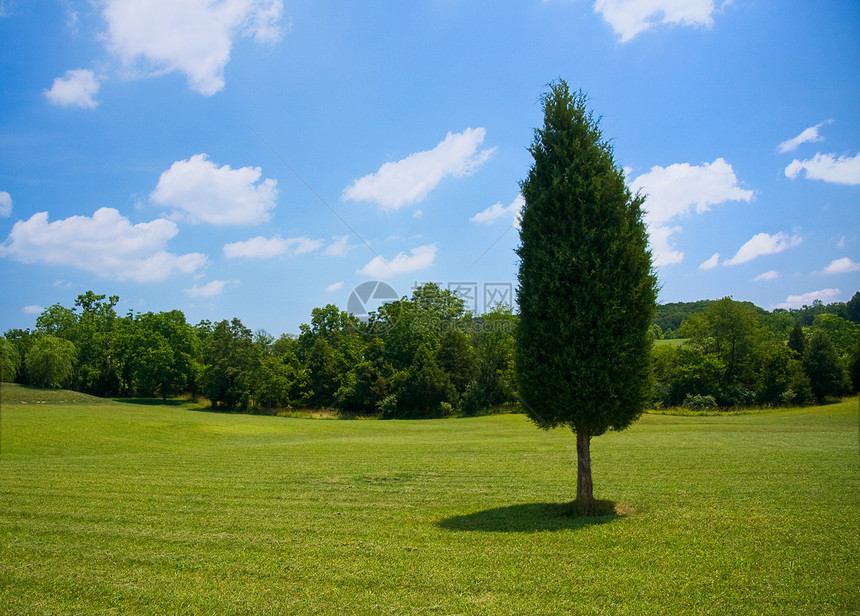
x: 534, y: 517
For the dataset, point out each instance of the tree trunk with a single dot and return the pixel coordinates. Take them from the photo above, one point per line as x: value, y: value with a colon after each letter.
x: 584, y: 486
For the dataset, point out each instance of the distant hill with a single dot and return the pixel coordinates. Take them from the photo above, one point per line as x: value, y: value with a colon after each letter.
x: 671, y: 315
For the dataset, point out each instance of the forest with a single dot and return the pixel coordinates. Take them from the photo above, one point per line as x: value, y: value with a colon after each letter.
x: 423, y: 356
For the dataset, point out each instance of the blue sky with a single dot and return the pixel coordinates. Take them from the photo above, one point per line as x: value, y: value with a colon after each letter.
x: 259, y: 158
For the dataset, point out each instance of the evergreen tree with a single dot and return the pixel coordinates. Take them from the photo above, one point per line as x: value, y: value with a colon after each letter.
x: 797, y: 339
x: 586, y: 287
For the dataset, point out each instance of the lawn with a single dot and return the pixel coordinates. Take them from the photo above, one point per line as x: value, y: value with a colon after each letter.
x: 116, y: 508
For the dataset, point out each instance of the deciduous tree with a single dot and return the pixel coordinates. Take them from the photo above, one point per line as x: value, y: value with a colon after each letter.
x: 51, y: 361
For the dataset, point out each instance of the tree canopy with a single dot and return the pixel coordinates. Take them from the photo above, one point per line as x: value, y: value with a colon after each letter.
x: 586, y: 288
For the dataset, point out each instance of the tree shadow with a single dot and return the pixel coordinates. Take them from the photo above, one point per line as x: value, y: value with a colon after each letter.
x: 534, y: 517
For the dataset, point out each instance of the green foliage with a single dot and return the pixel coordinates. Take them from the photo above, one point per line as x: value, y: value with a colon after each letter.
x: 731, y: 331
x: 669, y: 316
x: 823, y: 367
x: 586, y: 289
x: 797, y: 339
x: 806, y: 315
x: 852, y: 308
x: 735, y: 356
x: 340, y: 363
x: 457, y: 357
x: 425, y: 388
x: 388, y: 407
x: 496, y: 350
x: 232, y: 360
x: 699, y: 402
x: 843, y: 334
x: 10, y: 361
x: 51, y: 361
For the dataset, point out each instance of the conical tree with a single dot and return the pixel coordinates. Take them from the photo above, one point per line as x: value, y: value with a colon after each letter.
x: 587, y: 290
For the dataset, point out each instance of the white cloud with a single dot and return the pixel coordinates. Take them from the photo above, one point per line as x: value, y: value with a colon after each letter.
x: 201, y: 192
x: 661, y: 246
x: 826, y: 167
x: 32, y: 309
x: 630, y: 17
x: 107, y: 244
x: 193, y: 37
x: 763, y: 244
x: 267, y: 247
x: 674, y: 190
x: 810, y: 135
x: 841, y: 266
x: 75, y: 89
x: 5, y: 204
x: 497, y: 210
x: 711, y: 263
x: 210, y: 289
x: 338, y: 247
x: 409, y: 180
x: 806, y: 299
x: 337, y: 286
x: 771, y: 275
x: 421, y: 258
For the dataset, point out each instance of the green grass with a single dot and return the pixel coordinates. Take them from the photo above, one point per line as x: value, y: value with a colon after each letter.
x: 673, y: 342
x: 113, y: 508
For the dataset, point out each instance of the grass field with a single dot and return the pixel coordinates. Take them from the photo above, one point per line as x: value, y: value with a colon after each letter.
x: 114, y: 508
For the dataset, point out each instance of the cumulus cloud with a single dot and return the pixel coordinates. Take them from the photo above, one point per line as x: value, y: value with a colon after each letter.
x: 5, y: 204
x: 630, y: 17
x: 210, y: 289
x: 826, y: 296
x: 810, y: 135
x: 675, y: 190
x: 338, y: 247
x: 763, y: 244
x: 771, y: 275
x: 420, y: 258
x: 77, y: 88
x: 660, y: 242
x: 711, y: 263
x: 106, y: 244
x: 409, y: 180
x: 193, y: 37
x: 32, y: 309
x: 337, y: 286
x: 267, y: 247
x: 828, y: 168
x: 201, y: 192
x: 841, y: 266
x: 678, y: 189
x: 497, y: 210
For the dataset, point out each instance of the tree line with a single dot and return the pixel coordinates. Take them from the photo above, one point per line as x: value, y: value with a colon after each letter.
x: 734, y: 354
x: 422, y: 356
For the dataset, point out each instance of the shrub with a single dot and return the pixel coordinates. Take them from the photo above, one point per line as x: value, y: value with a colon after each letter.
x: 738, y: 396
x: 699, y: 402
x: 388, y: 407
